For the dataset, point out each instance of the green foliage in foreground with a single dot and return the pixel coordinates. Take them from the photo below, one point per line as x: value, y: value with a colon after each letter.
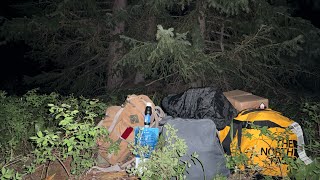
x: 74, y: 139
x: 63, y: 127
x: 311, y: 124
x: 22, y: 117
x: 66, y: 130
x: 164, y: 162
x: 302, y: 171
x: 7, y: 174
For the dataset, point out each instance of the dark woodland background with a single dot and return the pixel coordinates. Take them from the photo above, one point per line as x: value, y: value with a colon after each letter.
x: 64, y: 55
x: 93, y: 48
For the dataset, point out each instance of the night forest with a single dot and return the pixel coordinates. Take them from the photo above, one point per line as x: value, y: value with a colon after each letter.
x: 70, y: 53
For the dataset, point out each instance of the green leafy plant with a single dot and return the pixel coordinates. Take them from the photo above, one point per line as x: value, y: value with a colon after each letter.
x: 164, y: 161
x: 22, y: 117
x: 75, y: 138
x: 311, y: 124
x: 219, y: 177
x: 301, y: 171
x: 7, y: 174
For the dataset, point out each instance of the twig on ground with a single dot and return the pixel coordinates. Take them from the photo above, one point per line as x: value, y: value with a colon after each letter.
x: 47, y: 173
x: 65, y: 168
x: 127, y: 163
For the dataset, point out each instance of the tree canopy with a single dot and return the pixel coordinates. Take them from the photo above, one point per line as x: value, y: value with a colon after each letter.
x: 255, y: 44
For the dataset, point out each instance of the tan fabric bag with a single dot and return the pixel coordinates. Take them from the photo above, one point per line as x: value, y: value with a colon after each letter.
x: 121, y: 121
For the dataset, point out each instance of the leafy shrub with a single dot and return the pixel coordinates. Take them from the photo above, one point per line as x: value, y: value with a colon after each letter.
x: 311, y: 124
x: 301, y: 171
x: 7, y: 174
x: 76, y: 138
x: 22, y: 117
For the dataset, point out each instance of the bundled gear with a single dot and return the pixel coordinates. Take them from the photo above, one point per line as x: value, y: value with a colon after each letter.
x: 120, y: 122
x: 266, y: 137
x: 201, y: 137
x: 201, y: 103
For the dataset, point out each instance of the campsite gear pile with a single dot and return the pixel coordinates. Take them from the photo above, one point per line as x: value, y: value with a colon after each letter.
x: 206, y: 118
x: 121, y: 121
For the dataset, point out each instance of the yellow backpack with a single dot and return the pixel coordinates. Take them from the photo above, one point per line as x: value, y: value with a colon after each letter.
x: 266, y: 138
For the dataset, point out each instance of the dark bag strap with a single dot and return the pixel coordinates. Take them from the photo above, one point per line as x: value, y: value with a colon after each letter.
x: 236, y: 128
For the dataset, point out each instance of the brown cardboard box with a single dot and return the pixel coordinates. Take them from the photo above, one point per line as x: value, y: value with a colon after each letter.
x: 234, y: 93
x: 249, y: 101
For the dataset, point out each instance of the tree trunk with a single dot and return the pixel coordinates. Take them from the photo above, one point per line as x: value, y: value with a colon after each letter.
x: 151, y: 31
x: 201, y: 8
x: 115, y: 48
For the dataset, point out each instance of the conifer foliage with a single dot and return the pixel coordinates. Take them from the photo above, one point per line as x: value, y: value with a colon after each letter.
x: 232, y: 43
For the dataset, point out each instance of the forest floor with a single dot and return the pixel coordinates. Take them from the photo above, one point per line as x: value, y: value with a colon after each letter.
x: 55, y: 171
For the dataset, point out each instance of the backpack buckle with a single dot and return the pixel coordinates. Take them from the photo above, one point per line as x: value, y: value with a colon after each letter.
x: 245, y: 124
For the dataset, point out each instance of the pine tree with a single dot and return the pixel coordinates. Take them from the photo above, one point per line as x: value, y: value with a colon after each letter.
x: 237, y: 45
x: 230, y: 43
x: 115, y: 47
x: 73, y: 36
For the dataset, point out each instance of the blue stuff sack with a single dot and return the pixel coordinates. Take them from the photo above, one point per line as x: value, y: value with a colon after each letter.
x: 147, y: 137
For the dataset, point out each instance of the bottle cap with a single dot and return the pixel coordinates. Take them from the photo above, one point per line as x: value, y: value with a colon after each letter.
x: 149, y: 104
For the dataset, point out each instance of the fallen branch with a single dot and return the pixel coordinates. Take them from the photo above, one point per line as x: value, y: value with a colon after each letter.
x: 127, y: 163
x: 64, y: 167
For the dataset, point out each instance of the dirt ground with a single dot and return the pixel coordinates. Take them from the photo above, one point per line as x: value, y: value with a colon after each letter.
x: 56, y: 171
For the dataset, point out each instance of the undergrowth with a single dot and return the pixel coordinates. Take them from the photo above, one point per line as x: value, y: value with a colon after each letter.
x: 64, y: 127
x: 59, y: 127
x: 75, y: 138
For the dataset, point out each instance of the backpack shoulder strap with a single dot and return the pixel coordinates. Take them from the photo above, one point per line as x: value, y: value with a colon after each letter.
x: 296, y: 129
x: 115, y: 119
x: 158, y: 114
